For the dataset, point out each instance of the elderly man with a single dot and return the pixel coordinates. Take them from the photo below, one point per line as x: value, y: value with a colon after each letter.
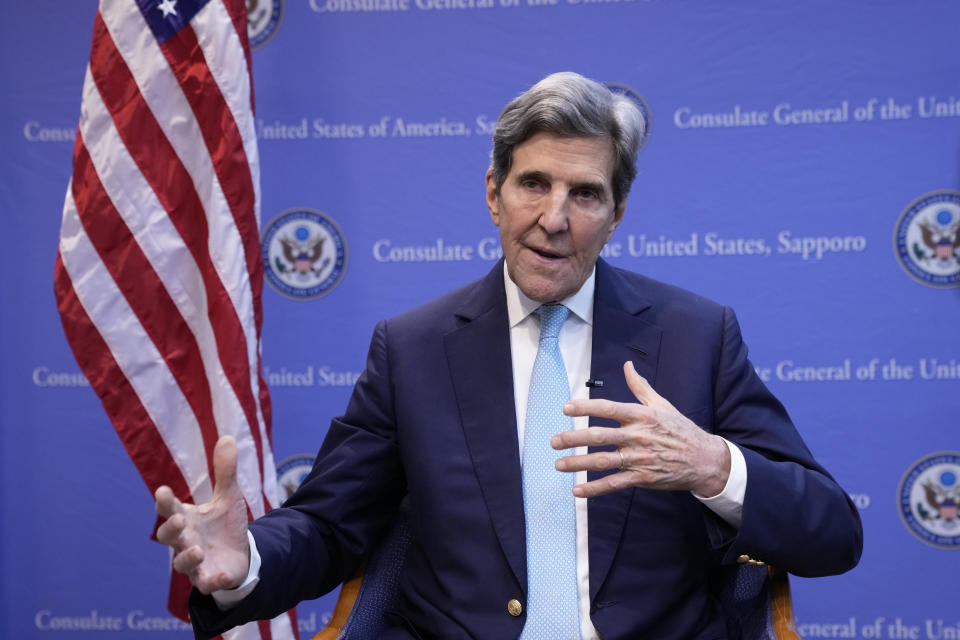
x: 527, y: 521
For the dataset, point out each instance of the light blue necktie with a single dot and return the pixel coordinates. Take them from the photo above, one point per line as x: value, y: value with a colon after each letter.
x: 552, y: 608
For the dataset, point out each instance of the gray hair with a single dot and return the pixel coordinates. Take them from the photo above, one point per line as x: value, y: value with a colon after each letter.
x: 568, y: 104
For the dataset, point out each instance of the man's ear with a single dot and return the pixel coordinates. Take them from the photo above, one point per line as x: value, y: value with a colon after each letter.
x: 617, y: 219
x: 493, y: 198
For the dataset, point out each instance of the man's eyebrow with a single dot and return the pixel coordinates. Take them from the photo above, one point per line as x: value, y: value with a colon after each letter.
x: 533, y: 174
x: 599, y: 187
x: 537, y: 174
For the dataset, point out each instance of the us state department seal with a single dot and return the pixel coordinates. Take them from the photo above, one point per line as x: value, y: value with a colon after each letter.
x: 629, y: 92
x: 263, y: 20
x: 929, y: 497
x: 304, y: 254
x: 926, y: 239
x: 291, y: 472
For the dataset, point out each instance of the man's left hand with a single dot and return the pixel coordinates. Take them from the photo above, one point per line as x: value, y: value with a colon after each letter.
x: 660, y: 447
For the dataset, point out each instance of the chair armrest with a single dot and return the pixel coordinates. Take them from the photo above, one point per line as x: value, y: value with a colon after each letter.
x: 341, y: 611
x: 781, y: 604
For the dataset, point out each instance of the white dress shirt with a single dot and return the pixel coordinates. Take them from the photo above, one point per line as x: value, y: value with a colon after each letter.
x: 576, y: 346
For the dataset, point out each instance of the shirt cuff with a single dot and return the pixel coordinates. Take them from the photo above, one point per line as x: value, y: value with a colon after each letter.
x: 228, y: 598
x: 728, y: 504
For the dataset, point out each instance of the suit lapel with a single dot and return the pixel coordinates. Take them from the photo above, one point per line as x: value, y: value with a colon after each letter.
x: 618, y: 335
x: 478, y: 354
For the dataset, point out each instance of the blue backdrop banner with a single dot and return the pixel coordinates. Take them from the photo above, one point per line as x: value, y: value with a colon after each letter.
x: 803, y: 166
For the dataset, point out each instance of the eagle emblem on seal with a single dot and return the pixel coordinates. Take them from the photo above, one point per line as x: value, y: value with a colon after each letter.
x: 301, y: 257
x: 926, y: 239
x: 941, y: 240
x: 942, y: 500
x: 929, y: 499
x: 304, y: 253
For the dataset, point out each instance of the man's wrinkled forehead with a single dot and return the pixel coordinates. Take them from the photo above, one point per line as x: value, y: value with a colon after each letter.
x: 609, y: 151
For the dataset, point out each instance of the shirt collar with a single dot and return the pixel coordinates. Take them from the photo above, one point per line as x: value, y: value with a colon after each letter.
x: 519, y: 306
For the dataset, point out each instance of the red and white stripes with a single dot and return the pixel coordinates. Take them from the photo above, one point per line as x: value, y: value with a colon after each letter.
x: 159, y: 273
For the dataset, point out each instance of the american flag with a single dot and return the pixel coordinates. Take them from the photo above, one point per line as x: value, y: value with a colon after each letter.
x: 159, y: 274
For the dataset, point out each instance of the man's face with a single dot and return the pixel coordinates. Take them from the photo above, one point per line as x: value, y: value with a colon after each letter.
x: 555, y: 211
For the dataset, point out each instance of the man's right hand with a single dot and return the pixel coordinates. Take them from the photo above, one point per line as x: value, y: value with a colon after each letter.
x: 209, y: 541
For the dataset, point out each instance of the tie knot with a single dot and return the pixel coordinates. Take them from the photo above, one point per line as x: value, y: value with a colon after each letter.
x: 552, y: 317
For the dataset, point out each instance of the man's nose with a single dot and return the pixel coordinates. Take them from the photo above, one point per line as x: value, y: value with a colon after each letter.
x: 553, y: 218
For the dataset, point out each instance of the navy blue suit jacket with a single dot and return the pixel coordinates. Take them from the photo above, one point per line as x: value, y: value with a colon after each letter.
x: 433, y: 418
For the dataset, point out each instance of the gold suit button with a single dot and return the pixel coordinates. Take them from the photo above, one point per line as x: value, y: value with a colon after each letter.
x: 514, y: 608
